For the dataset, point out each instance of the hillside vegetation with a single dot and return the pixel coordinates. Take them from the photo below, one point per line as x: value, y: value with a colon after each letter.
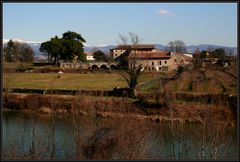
x: 207, y: 80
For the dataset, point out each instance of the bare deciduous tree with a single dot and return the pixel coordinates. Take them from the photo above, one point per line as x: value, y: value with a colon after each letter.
x: 134, y: 70
x: 176, y: 46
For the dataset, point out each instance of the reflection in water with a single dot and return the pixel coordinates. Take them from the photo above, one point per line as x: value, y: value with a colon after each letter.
x: 26, y: 136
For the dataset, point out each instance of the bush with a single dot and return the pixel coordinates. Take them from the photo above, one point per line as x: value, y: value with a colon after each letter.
x: 24, y: 68
x: 121, y: 92
x: 9, y: 70
x: 190, y: 86
x: 12, y: 102
x: 180, y: 69
x: 49, y: 69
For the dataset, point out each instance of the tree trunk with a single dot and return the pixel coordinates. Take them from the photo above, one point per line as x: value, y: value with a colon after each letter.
x: 133, y: 92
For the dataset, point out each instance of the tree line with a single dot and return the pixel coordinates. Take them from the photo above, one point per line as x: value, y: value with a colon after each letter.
x: 70, y: 48
x: 67, y: 48
x: 218, y: 53
x: 17, y: 52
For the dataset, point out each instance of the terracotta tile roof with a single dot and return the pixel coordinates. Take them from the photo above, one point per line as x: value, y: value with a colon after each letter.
x: 140, y: 46
x: 182, y: 54
x: 143, y: 46
x: 89, y: 53
x: 150, y: 55
x: 121, y: 47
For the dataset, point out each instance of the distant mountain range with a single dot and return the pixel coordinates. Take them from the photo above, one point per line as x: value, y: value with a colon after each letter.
x: 105, y: 48
x: 190, y: 49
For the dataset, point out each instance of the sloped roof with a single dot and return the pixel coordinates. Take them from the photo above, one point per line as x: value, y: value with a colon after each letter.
x: 139, y: 46
x: 121, y: 47
x: 150, y: 55
x: 143, y: 46
x: 89, y: 53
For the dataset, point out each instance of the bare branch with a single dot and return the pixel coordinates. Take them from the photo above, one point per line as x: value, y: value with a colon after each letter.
x: 123, y: 39
x: 134, y: 38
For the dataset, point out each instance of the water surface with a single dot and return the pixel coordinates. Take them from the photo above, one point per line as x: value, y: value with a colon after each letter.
x: 29, y: 136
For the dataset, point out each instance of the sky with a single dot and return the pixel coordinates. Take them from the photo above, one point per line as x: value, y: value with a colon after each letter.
x: 101, y: 23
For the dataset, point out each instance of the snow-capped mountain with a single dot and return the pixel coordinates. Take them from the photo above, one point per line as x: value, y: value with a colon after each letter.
x: 21, y: 41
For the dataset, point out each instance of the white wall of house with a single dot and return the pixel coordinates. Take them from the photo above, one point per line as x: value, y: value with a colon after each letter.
x: 117, y: 52
x: 90, y: 58
x: 187, y: 54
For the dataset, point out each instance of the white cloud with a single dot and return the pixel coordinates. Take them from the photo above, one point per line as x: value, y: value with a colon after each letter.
x: 165, y: 12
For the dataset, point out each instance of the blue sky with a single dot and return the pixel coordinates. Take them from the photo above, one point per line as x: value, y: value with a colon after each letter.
x: 100, y: 23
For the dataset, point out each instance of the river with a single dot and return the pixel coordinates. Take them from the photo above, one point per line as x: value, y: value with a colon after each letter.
x: 30, y: 136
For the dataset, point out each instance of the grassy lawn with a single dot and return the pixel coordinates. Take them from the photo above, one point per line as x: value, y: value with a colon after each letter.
x: 97, y: 81
x: 89, y: 81
x: 67, y: 81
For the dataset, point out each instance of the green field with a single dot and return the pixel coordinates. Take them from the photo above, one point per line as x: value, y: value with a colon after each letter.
x: 97, y: 81
x: 89, y: 81
x: 67, y: 81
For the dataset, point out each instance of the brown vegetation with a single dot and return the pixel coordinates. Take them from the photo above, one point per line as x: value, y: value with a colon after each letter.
x: 205, y: 80
x: 120, y: 107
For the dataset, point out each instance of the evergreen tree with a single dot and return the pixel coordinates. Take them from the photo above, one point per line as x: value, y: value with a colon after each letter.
x: 16, y: 51
x: 9, y: 51
x: 99, y: 56
x: 67, y: 48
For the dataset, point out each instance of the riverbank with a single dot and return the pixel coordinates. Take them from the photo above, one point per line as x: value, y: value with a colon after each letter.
x: 113, y: 107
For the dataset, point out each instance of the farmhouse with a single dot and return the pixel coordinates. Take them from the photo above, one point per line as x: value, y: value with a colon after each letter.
x: 158, y: 60
x: 121, y: 49
x: 89, y: 56
x: 150, y: 57
x: 147, y: 55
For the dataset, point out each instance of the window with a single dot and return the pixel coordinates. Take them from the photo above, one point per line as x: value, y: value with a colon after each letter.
x: 165, y: 68
x: 115, y: 54
x: 160, y: 62
x: 165, y: 62
x: 152, y: 63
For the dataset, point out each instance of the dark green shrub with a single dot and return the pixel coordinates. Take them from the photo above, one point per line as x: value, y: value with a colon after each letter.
x: 180, y: 69
x: 24, y: 68
x: 190, y: 86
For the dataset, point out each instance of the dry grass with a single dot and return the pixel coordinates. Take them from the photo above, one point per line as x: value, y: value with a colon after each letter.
x: 196, y: 81
x: 67, y: 81
x: 97, y: 81
x: 117, y: 107
x: 212, y: 81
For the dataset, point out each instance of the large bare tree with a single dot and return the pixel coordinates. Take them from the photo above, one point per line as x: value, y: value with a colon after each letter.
x: 176, y: 46
x: 134, y: 70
